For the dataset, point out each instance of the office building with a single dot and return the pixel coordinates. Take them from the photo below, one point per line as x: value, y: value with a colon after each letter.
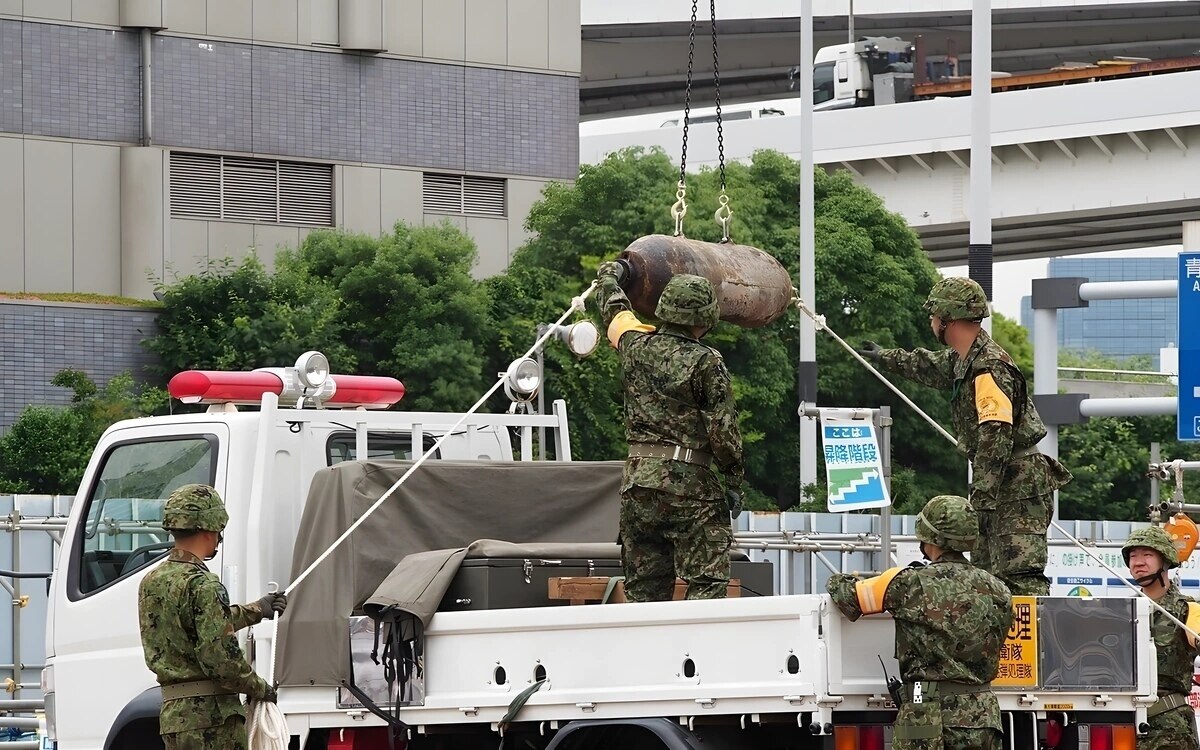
x: 142, y: 138
x: 1115, y: 328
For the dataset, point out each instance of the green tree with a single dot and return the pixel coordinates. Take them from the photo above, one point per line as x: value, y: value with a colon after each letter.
x: 871, y: 279
x: 409, y: 308
x: 239, y: 317
x: 1109, y: 456
x: 1015, y: 339
x: 47, y: 449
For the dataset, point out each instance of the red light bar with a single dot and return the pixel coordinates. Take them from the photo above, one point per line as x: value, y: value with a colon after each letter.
x: 216, y: 386
x: 365, y: 390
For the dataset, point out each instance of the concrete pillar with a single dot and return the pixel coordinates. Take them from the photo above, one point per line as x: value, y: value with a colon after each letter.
x: 361, y: 25
x: 144, y: 219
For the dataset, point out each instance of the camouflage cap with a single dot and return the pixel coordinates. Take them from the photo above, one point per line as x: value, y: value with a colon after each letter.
x: 688, y: 301
x: 195, y: 507
x: 1155, y: 538
x: 949, y: 522
x: 957, y: 298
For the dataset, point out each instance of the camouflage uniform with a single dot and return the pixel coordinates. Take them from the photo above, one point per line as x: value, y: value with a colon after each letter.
x: 951, y: 620
x: 1171, y: 728
x: 187, y: 627
x: 674, y: 517
x: 998, y: 430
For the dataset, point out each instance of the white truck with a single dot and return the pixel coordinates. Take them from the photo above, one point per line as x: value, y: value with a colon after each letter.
x: 749, y: 672
x: 889, y: 70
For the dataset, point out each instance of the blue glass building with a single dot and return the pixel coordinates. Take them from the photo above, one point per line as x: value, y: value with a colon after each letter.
x: 1117, y: 328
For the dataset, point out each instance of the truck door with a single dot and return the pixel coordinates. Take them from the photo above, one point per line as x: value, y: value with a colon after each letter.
x: 114, y: 538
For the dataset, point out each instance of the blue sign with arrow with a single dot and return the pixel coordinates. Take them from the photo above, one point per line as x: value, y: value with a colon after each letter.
x: 1189, y: 346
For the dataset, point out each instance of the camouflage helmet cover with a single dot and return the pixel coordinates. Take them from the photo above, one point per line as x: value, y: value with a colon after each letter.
x: 957, y: 298
x: 688, y: 301
x: 195, y: 507
x: 949, y: 522
x: 1155, y: 538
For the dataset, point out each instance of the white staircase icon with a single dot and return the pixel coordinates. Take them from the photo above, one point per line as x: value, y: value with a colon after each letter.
x: 855, y: 484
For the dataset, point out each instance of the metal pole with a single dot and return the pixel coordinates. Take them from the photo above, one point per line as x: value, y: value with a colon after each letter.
x: 979, y: 252
x: 850, y: 24
x: 16, y: 603
x: 1045, y: 374
x: 883, y: 420
x: 1098, y: 290
x: 808, y: 333
x: 147, y: 76
x: 541, y: 394
x: 1145, y: 406
x: 1155, y: 489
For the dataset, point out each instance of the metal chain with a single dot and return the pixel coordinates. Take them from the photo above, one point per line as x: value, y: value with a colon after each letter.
x: 679, y: 209
x: 723, y: 214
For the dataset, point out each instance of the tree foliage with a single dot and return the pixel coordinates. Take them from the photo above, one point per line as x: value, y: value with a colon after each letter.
x: 403, y: 305
x: 47, y: 449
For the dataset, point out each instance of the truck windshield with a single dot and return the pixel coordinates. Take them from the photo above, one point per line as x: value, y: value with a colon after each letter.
x: 822, y: 82
x: 122, y: 528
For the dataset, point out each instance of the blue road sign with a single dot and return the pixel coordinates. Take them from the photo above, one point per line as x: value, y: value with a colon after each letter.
x: 1189, y: 346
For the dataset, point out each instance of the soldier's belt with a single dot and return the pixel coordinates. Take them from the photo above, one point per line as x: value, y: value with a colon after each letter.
x: 670, y: 452
x: 194, y: 689
x: 933, y: 689
x: 1167, y: 703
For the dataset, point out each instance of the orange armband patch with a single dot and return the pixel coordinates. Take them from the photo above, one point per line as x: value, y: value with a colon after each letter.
x: 1193, y: 622
x: 624, y: 322
x: 870, y: 592
x: 991, y: 404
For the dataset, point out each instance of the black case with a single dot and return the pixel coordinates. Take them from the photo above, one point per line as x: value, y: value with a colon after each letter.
x: 510, y: 583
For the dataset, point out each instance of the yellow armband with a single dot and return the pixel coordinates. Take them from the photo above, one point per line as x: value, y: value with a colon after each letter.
x: 1193, y: 622
x: 624, y: 322
x: 990, y: 402
x: 870, y: 592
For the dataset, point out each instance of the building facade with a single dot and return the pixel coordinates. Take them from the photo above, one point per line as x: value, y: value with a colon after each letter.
x: 140, y: 139
x: 1116, y: 328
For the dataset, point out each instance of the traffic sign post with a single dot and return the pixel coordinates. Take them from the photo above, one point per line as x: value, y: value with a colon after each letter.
x: 1189, y: 346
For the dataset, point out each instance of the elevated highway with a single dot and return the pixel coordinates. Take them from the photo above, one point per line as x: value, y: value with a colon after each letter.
x: 1082, y: 168
x: 635, y: 51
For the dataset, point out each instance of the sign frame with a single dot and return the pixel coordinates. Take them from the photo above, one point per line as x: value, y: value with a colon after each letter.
x: 1188, y: 342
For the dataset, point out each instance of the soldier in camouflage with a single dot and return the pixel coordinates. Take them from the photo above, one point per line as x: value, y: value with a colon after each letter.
x: 188, y: 627
x: 1149, y: 554
x: 998, y: 430
x: 680, y: 419
x: 951, y: 620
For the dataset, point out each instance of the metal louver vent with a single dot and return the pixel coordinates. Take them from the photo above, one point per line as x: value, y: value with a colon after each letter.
x: 263, y: 191
x: 443, y: 193
x: 250, y: 190
x: 305, y: 194
x: 195, y: 186
x: 483, y: 196
x: 462, y: 195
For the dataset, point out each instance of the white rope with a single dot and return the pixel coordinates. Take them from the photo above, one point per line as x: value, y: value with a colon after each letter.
x: 267, y: 727
x: 821, y: 326
x: 577, y: 303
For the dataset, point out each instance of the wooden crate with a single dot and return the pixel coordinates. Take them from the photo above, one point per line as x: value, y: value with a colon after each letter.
x: 590, y: 589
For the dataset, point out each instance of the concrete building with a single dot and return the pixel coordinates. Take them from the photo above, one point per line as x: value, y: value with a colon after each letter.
x: 1117, y: 328
x: 142, y: 138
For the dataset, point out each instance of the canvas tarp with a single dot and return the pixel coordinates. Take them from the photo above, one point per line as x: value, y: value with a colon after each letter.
x: 416, y: 586
x: 443, y: 505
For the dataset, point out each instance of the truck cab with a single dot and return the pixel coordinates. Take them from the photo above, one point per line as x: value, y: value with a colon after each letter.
x: 262, y: 462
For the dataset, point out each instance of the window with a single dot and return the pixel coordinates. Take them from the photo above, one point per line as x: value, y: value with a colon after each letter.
x: 822, y: 83
x: 384, y: 445
x: 264, y: 191
x: 464, y: 195
x: 122, y: 528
